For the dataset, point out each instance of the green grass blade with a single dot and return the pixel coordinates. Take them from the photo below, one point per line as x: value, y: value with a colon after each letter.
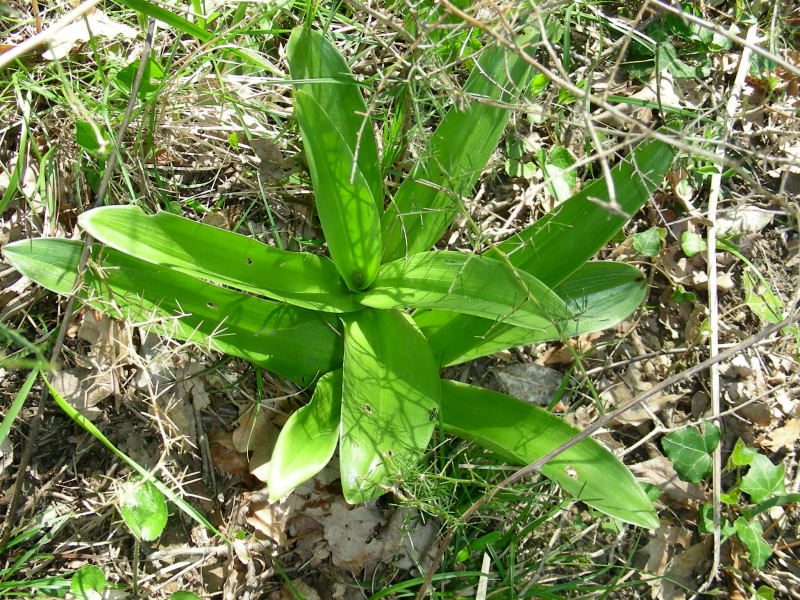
x: 296, y: 343
x: 428, y: 200
x: 16, y: 405
x: 390, y: 399
x: 174, y: 497
x: 312, y: 57
x: 599, y: 295
x: 522, y: 432
x: 468, y: 284
x: 345, y: 204
x: 224, y: 257
x: 307, y: 441
x: 168, y: 17
x: 566, y: 237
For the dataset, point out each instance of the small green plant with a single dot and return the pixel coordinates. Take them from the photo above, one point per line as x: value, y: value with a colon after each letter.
x: 690, y: 450
x: 345, y: 324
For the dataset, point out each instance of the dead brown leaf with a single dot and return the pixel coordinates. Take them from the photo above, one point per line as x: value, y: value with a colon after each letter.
x: 783, y: 437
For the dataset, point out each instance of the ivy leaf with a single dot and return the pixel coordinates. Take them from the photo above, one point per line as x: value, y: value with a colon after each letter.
x: 692, y: 243
x: 741, y: 455
x: 763, y: 480
x: 751, y: 534
x: 649, y: 242
x: 706, y: 523
x: 689, y: 450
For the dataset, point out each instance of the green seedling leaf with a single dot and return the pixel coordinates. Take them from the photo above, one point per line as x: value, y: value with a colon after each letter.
x: 181, y: 595
x: 151, y: 79
x: 763, y: 479
x: 764, y: 593
x: 390, y: 400
x: 761, y: 299
x: 556, y: 168
x: 522, y: 432
x: 732, y: 496
x: 468, y: 284
x: 173, y: 497
x: 741, y: 455
x: 346, y: 207
x: 598, y: 295
x: 706, y: 523
x: 692, y: 243
x: 294, y: 342
x: 220, y: 256
x: 92, y: 137
x: 430, y: 197
x: 477, y: 545
x: 690, y: 451
x: 752, y: 536
x: 649, y: 242
x: 319, y: 70
x: 681, y: 294
x: 88, y: 583
x: 308, y: 440
x: 143, y: 509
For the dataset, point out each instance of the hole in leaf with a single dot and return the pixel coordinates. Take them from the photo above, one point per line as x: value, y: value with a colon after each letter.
x: 249, y: 261
x: 368, y: 409
x: 212, y: 305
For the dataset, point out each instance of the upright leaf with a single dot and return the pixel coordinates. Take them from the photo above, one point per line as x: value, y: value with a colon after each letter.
x: 390, y: 396
x: 564, y: 239
x: 307, y: 441
x: 522, y: 432
x: 318, y: 69
x: 429, y: 198
x: 345, y: 203
x: 470, y: 284
x: 294, y: 342
x: 207, y: 252
x: 598, y: 295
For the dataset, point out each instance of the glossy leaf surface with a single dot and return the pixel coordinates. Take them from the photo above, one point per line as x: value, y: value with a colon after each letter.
x: 221, y: 256
x: 429, y: 198
x: 296, y: 343
x: 559, y: 243
x: 469, y: 284
x: 390, y: 395
x: 307, y: 441
x: 345, y: 204
x: 311, y: 57
x: 522, y: 432
x: 598, y: 294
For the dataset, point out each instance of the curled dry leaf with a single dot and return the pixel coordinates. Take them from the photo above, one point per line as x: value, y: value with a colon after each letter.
x: 532, y: 383
x: 660, y: 472
x: 95, y: 24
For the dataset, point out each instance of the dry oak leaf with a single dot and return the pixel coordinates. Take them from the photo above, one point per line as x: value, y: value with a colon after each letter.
x: 782, y: 437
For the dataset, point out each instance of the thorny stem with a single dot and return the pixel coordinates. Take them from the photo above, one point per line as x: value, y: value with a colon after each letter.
x: 540, y: 462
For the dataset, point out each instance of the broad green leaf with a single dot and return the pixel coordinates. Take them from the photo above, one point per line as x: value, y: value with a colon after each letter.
x: 143, y: 509
x: 752, y: 536
x: 764, y: 593
x: 182, y: 595
x: 691, y: 243
x: 522, y: 432
x: 430, y: 197
x: 761, y: 299
x: 345, y: 204
x: 307, y: 441
x: 763, y: 479
x: 311, y: 57
x: 173, y: 497
x: 294, y: 342
x: 649, y: 242
x: 599, y: 295
x: 690, y: 451
x: 390, y: 397
x: 220, y: 256
x: 88, y: 583
x: 706, y: 522
x: 565, y: 238
x: 468, y: 284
